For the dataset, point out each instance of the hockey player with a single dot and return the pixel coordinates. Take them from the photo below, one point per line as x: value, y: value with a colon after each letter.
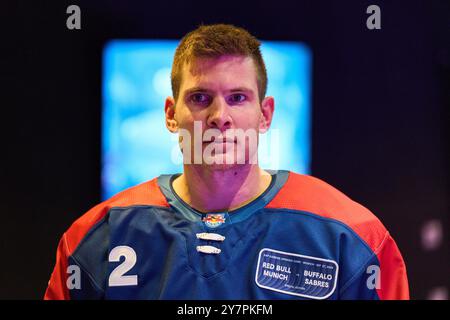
x: 225, y: 228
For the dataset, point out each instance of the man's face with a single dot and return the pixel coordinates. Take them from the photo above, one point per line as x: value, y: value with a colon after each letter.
x: 219, y: 95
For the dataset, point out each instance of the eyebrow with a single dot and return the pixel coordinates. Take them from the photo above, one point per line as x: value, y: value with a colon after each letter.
x: 201, y: 89
x: 241, y: 89
x: 196, y: 89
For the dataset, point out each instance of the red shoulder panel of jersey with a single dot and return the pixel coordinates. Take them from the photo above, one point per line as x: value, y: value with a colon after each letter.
x: 307, y: 193
x: 147, y: 193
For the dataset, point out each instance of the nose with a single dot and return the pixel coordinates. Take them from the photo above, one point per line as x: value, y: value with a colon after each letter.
x: 219, y: 116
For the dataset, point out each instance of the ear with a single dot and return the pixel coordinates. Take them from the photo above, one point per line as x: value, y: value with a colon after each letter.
x: 267, y: 109
x: 169, y: 110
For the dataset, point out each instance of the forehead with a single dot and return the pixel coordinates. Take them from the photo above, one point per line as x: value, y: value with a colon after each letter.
x: 227, y: 70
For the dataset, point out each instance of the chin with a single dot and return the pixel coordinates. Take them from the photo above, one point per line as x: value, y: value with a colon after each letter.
x: 220, y: 163
x: 222, y: 167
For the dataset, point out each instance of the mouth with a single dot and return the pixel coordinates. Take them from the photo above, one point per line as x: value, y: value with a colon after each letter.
x: 220, y: 140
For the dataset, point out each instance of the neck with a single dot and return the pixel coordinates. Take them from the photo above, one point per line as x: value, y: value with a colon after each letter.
x: 208, y: 190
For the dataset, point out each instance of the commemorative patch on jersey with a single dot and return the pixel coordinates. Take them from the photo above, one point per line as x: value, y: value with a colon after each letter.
x: 296, y: 274
x: 214, y: 220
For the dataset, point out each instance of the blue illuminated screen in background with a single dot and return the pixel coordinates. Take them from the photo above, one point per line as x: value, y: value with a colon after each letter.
x: 136, y: 146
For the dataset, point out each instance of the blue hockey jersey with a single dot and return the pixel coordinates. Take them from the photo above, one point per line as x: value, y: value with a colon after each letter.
x: 301, y: 239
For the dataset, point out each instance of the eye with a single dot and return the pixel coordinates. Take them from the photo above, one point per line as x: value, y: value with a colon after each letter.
x: 200, y: 98
x: 236, y: 98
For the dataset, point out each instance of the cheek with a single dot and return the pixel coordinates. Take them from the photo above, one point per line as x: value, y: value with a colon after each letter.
x: 248, y: 120
x: 185, y: 119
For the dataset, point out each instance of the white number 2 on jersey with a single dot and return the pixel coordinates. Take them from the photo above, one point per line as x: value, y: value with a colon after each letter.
x: 117, y: 277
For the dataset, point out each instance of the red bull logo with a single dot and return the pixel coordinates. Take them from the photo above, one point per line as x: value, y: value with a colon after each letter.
x: 213, y: 220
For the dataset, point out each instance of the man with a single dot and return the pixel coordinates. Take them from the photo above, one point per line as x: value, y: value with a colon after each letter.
x: 225, y: 228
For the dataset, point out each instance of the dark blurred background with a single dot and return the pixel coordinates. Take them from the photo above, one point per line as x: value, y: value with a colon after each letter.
x: 380, y: 111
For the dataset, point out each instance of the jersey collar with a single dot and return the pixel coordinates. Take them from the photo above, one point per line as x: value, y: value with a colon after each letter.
x: 279, y: 178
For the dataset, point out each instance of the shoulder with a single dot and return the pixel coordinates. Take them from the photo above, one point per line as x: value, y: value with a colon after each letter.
x: 147, y: 193
x: 313, y: 195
